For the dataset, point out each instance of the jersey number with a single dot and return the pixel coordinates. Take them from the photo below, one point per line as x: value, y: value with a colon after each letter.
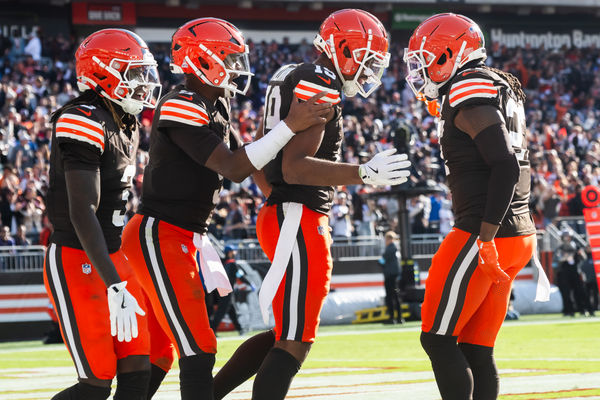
x: 273, y: 103
x: 515, y: 125
x: 118, y: 218
x: 322, y: 70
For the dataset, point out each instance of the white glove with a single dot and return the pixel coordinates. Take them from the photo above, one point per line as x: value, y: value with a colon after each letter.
x: 385, y: 168
x: 123, y: 307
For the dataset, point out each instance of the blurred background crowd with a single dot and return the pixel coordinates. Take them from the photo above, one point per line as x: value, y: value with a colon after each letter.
x: 37, y: 76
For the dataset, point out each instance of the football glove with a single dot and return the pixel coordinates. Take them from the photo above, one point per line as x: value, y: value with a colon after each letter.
x: 385, y: 168
x: 488, y: 262
x: 123, y: 307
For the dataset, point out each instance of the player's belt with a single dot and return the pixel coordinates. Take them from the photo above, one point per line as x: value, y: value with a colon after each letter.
x: 212, y: 269
x: 285, y: 244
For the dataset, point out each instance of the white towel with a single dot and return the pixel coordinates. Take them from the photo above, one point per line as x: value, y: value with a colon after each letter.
x: 542, y: 291
x: 212, y: 269
x: 283, y: 252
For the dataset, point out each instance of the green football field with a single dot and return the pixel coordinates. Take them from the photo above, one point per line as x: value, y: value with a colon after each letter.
x: 539, y: 357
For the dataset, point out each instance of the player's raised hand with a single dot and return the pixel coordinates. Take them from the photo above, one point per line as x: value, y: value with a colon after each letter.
x: 488, y: 262
x: 305, y: 114
x: 385, y: 168
x: 123, y: 308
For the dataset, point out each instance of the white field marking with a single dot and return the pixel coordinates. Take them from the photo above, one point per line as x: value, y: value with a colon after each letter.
x: 364, y: 386
x: 417, y: 328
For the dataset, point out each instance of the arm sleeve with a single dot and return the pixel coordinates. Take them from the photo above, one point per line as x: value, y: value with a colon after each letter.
x: 494, y: 146
x: 198, y: 143
x: 79, y: 156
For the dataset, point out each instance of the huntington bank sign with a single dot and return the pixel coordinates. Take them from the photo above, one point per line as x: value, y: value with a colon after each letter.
x: 549, y: 40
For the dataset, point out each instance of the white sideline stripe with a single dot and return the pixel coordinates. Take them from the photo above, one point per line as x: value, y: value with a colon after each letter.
x: 193, y: 114
x: 200, y: 109
x: 68, y: 330
x: 486, y: 95
x: 593, y: 223
x: 182, y: 120
x: 80, y: 138
x: 353, y: 278
x: 293, y: 325
x: 187, y: 349
x: 453, y: 297
x: 23, y: 303
x: 22, y: 289
x: 81, y: 119
x: 461, y: 90
x: 25, y: 317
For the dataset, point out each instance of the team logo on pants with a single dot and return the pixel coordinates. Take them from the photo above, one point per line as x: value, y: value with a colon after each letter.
x: 86, y: 268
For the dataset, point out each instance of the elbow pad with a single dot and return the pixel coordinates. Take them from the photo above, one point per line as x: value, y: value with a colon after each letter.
x: 266, y: 148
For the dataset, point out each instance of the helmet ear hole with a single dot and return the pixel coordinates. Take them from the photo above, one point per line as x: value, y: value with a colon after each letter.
x: 346, y: 52
x: 203, y: 63
x: 442, y: 60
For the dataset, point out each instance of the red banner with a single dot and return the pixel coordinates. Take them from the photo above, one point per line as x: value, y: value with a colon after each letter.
x: 103, y: 13
x: 592, y: 225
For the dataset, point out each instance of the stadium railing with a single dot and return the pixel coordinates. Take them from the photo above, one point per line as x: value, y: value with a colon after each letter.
x: 344, y: 249
x: 423, y: 246
x: 22, y: 258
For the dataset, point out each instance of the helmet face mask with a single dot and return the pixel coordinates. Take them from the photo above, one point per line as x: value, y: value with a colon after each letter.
x: 361, y: 62
x: 215, y: 52
x: 367, y: 78
x: 237, y: 68
x: 438, y: 48
x: 117, y: 64
x: 138, y: 86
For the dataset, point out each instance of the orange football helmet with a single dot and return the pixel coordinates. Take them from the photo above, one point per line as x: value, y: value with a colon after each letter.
x: 357, y: 44
x: 215, y: 51
x: 438, y: 48
x: 118, y: 65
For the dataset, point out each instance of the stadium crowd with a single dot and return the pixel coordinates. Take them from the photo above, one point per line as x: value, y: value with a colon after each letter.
x: 562, y: 115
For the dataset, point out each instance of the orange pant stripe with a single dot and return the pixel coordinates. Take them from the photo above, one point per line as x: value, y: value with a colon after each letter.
x: 163, y: 257
x: 302, y: 292
x: 78, y: 295
x: 460, y: 300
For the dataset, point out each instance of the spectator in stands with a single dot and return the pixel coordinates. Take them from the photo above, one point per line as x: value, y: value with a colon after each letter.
x: 419, y: 208
x: 46, y: 230
x: 568, y: 276
x: 21, y: 236
x: 29, y: 209
x: 391, y: 272
x: 34, y: 47
x: 341, y: 224
x: 236, y: 222
x: 590, y: 280
x: 5, y: 238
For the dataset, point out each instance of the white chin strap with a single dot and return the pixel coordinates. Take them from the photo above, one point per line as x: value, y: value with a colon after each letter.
x: 131, y: 107
x: 350, y: 88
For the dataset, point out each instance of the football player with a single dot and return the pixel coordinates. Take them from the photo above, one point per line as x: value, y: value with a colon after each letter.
x: 92, y: 161
x: 192, y: 147
x: 293, y: 225
x: 484, y: 147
